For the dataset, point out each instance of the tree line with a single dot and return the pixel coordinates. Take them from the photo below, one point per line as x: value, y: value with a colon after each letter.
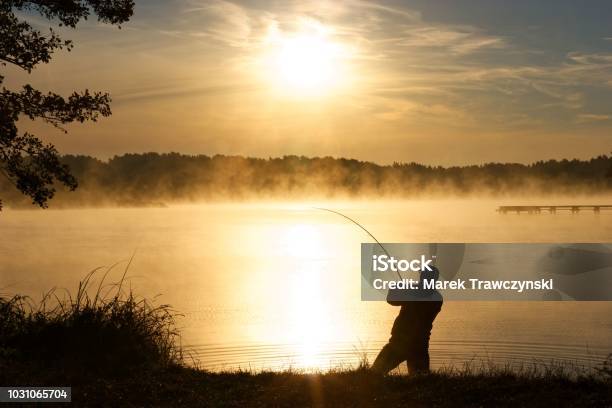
x: 154, y: 178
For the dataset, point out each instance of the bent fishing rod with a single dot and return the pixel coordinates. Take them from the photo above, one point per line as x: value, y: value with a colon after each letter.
x: 360, y: 226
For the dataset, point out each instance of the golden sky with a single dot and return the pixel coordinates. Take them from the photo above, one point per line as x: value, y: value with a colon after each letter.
x: 445, y: 82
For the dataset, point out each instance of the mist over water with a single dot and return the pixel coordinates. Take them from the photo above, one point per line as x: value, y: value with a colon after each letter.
x: 277, y: 285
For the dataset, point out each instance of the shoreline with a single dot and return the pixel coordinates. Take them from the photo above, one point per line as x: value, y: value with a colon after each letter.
x: 182, y: 386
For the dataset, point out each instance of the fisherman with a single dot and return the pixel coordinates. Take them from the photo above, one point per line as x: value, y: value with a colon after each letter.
x: 409, y: 340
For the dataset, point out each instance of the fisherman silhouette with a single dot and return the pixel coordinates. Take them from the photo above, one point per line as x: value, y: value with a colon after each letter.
x: 409, y: 340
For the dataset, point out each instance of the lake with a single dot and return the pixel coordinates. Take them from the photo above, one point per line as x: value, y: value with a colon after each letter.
x: 277, y: 285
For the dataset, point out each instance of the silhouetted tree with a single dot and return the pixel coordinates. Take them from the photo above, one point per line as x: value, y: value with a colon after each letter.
x: 29, y: 164
x: 156, y: 178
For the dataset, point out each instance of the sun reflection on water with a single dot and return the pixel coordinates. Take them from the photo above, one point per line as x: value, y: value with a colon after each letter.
x: 309, y: 304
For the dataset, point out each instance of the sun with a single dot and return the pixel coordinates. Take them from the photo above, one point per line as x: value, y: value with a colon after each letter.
x: 308, y: 62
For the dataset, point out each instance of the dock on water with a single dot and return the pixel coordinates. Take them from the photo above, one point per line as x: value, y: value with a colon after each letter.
x: 552, y: 209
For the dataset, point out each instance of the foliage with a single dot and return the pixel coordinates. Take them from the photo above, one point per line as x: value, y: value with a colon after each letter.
x: 29, y: 164
x: 152, y: 178
x: 606, y: 368
x: 104, y: 334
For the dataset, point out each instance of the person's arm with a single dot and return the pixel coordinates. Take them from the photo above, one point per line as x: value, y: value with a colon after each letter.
x: 396, y: 297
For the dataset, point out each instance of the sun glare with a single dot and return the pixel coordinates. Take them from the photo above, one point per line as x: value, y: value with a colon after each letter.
x: 308, y: 62
x: 302, y: 241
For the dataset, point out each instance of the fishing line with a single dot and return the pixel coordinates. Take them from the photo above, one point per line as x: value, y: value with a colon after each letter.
x: 360, y: 226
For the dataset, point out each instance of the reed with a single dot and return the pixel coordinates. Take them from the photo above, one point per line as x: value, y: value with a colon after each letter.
x: 109, y: 331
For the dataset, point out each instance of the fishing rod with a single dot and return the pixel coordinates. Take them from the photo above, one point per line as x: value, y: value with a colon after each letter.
x: 360, y: 226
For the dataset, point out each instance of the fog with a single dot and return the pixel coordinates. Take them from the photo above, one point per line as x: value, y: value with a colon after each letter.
x: 161, y: 179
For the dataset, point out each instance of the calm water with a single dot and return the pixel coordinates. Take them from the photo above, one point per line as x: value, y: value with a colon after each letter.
x: 269, y: 286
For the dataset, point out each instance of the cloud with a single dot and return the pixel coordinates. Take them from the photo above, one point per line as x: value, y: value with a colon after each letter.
x: 592, y: 117
x: 410, y: 65
x: 223, y: 21
x: 410, y: 15
x: 463, y: 40
x: 592, y: 59
x: 148, y: 94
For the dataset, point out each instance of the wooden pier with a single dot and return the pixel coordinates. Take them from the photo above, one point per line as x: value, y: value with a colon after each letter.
x: 552, y: 209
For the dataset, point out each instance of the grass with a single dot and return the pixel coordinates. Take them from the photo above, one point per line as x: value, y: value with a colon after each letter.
x: 111, y: 334
x: 115, y: 349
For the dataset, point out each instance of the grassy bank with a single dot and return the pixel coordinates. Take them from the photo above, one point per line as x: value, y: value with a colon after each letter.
x: 181, y: 386
x: 119, y: 350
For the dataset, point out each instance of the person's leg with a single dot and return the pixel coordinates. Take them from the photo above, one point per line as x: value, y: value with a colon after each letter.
x: 418, y: 361
x: 388, y: 358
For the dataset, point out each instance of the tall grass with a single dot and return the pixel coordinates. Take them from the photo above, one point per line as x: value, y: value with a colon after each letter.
x: 106, y: 332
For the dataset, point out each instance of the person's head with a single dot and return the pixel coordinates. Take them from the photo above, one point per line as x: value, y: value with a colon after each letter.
x: 429, y: 275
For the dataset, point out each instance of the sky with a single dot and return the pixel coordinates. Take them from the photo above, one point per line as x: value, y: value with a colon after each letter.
x: 444, y: 82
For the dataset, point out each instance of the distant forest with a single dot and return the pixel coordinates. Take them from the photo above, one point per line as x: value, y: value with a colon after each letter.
x: 157, y: 179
